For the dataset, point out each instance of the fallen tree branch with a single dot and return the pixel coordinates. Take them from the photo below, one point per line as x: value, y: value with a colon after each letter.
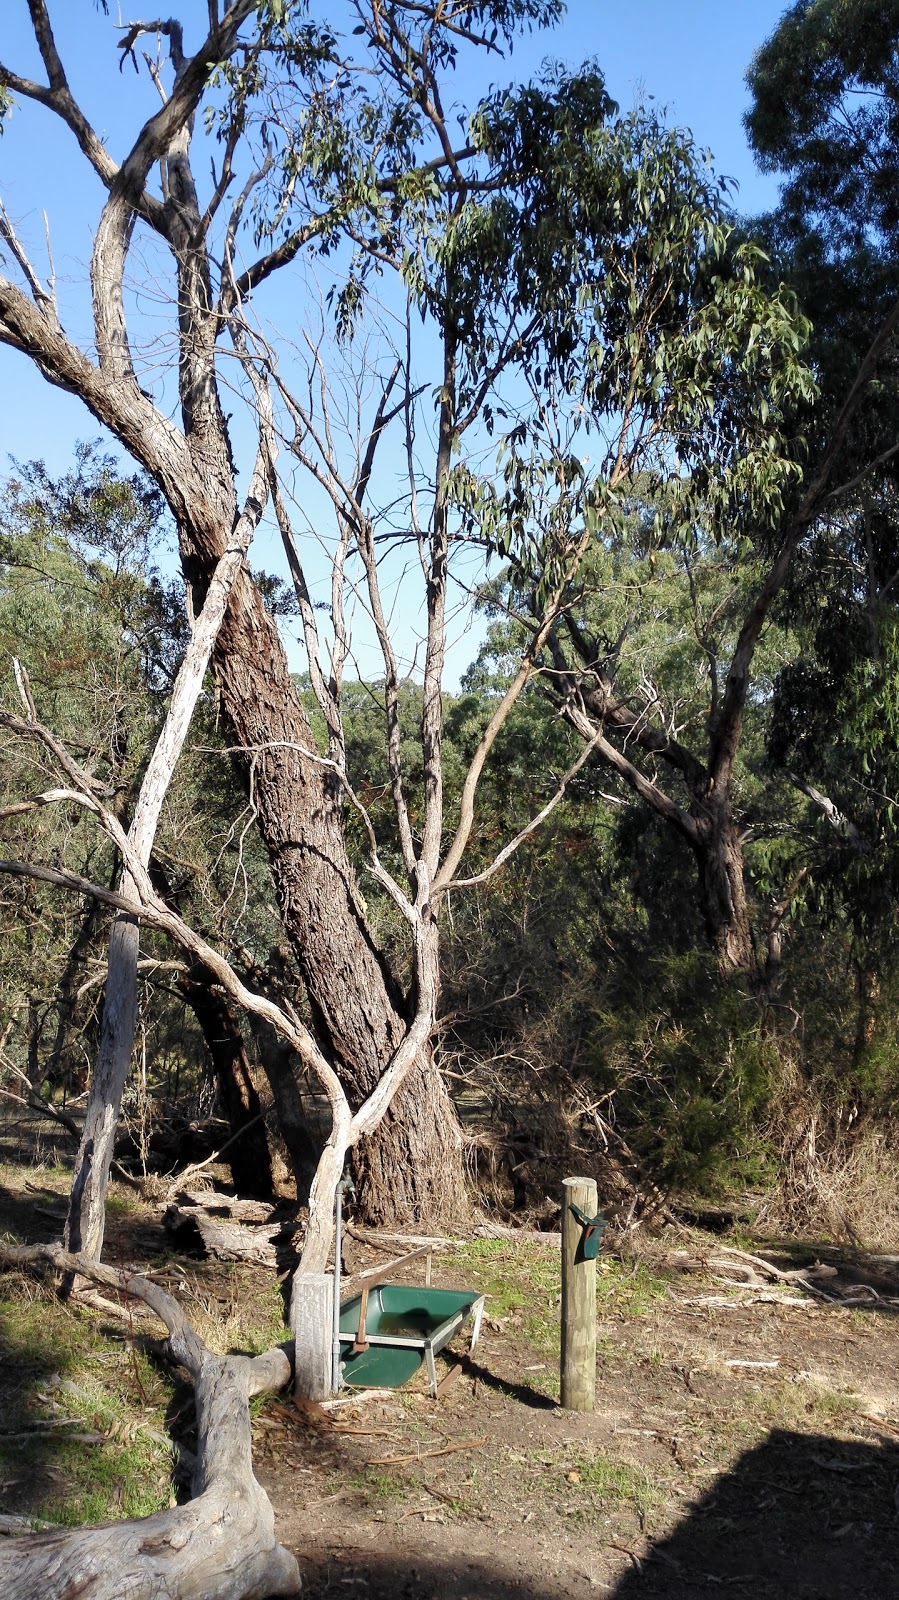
x: 222, y: 1544
x: 794, y: 1275
x: 422, y: 1455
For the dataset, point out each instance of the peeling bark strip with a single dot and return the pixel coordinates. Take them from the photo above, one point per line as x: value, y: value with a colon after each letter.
x: 87, y: 1210
x: 222, y: 1544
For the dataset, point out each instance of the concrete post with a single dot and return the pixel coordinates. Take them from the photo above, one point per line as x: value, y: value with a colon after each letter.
x: 313, y: 1332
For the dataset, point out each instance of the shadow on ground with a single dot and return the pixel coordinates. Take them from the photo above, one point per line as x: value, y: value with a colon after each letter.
x: 800, y: 1517
x: 804, y: 1516
x: 521, y: 1392
x: 28, y: 1477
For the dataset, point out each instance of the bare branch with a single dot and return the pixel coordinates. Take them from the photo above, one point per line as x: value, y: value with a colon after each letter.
x: 488, y: 738
x: 535, y: 822
x: 126, y: 411
x: 24, y: 688
x: 655, y: 797
x: 45, y: 299
x: 58, y: 98
x: 147, y: 907
x: 376, y: 868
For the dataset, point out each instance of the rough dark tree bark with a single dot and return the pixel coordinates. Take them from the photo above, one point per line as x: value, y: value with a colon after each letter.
x: 411, y: 1170
x: 248, y: 1156
x: 720, y: 859
x: 705, y: 820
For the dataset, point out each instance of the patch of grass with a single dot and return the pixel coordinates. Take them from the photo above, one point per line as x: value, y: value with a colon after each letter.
x: 376, y: 1487
x: 523, y: 1283
x: 239, y: 1321
x: 495, y: 1267
x: 627, y: 1287
x: 60, y: 1377
x: 597, y: 1481
x: 103, y: 1482
x: 614, y: 1483
x: 44, y: 1166
x: 122, y: 1204
x: 806, y: 1402
x: 37, y: 1331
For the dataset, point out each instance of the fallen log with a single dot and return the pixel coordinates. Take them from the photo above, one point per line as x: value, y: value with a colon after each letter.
x: 222, y: 1544
x: 227, y: 1205
x: 223, y: 1239
x: 230, y: 1229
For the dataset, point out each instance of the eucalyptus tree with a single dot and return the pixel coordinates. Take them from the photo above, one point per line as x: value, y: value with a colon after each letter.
x: 574, y: 270
x: 825, y: 90
x: 719, y: 350
x: 825, y: 118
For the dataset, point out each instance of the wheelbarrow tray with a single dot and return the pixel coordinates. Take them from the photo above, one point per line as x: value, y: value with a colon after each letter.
x: 403, y: 1328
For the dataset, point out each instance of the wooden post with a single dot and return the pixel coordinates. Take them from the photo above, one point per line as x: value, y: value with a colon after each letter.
x: 314, y: 1334
x: 578, y: 1364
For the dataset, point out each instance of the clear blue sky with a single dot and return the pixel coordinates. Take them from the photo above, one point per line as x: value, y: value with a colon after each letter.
x: 690, y: 55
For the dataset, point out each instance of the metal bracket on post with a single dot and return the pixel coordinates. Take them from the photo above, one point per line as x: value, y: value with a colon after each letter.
x: 591, y: 1238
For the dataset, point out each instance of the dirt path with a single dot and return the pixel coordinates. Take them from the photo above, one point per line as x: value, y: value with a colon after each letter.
x: 740, y: 1443
x: 700, y: 1470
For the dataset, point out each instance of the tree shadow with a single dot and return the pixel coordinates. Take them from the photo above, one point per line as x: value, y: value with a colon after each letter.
x: 416, y: 1576
x: 800, y: 1515
x: 522, y: 1392
x: 29, y: 1478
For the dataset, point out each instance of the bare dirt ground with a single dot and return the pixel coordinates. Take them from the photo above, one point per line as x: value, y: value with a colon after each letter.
x: 740, y: 1443
x: 692, y: 1475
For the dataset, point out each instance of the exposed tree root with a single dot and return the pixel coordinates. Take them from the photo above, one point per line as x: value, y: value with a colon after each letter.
x: 222, y: 1544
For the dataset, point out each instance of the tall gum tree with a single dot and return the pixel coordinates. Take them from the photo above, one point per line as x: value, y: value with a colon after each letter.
x: 534, y: 251
x: 357, y: 1006
x: 824, y: 115
x: 718, y: 352
x: 336, y: 172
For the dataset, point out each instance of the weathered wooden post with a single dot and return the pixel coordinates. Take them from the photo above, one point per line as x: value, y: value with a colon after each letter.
x: 578, y: 1364
x: 313, y: 1325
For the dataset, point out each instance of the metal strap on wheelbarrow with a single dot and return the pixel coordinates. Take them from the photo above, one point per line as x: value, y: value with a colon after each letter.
x: 372, y: 1279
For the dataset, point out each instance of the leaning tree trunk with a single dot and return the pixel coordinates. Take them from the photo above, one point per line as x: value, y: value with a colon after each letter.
x: 86, y: 1217
x: 222, y: 1544
x: 411, y: 1170
x: 718, y: 848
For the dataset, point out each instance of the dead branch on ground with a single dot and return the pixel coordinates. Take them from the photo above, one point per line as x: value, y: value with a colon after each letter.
x: 221, y: 1545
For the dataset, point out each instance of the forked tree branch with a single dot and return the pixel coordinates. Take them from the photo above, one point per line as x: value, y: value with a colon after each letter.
x: 536, y: 821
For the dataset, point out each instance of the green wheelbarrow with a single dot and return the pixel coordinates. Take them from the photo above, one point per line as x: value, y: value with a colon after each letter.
x: 388, y: 1330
